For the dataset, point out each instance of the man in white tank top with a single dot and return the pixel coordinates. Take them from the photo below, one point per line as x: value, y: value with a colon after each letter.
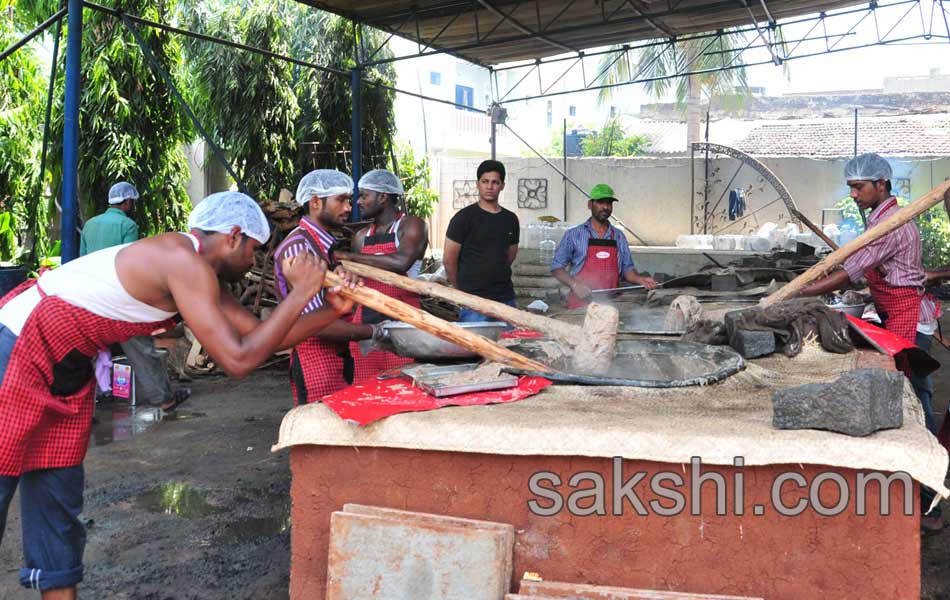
x: 51, y: 328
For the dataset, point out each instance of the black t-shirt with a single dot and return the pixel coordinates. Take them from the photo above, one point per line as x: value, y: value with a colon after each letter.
x: 483, y: 261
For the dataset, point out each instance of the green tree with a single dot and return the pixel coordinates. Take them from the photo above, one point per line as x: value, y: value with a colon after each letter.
x: 613, y: 140
x: 657, y: 63
x: 416, y: 177
x: 333, y: 104
x: 131, y: 128
x: 21, y: 108
x: 246, y: 101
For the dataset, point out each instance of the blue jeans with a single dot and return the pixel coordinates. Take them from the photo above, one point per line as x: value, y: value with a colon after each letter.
x: 923, y: 386
x: 53, y: 536
x: 470, y: 316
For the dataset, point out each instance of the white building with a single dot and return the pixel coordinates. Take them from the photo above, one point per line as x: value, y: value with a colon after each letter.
x: 443, y: 130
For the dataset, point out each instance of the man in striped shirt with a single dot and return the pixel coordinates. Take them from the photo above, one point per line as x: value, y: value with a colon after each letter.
x: 894, y: 271
x: 321, y: 364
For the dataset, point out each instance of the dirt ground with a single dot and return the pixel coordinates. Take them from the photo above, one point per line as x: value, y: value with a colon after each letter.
x: 198, y: 507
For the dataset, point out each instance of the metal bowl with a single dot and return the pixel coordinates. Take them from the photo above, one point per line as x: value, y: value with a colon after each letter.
x: 415, y: 343
x: 855, y: 310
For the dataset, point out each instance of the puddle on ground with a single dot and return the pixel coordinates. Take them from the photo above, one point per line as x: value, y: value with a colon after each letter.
x: 250, y: 529
x: 176, y: 498
x: 120, y: 421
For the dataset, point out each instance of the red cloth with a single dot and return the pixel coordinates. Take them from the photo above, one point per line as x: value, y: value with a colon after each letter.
x: 377, y: 361
x: 372, y: 400
x: 38, y: 428
x: 898, y: 307
x: 601, y: 269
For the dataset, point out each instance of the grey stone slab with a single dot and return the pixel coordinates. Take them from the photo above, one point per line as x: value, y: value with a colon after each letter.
x: 394, y: 555
x: 753, y: 344
x: 858, y: 403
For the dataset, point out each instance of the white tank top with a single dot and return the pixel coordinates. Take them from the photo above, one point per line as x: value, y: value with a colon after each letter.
x: 90, y: 282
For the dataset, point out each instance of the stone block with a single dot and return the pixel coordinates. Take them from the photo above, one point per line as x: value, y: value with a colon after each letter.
x: 753, y: 344
x: 858, y: 403
x: 733, y: 316
x: 388, y: 554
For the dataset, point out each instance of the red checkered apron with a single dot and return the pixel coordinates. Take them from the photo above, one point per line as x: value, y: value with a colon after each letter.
x: 374, y: 363
x: 317, y: 366
x: 601, y: 268
x: 47, y: 395
x: 898, y: 307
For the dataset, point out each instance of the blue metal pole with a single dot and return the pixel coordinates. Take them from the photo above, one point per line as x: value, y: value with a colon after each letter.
x: 70, y: 246
x: 357, y: 141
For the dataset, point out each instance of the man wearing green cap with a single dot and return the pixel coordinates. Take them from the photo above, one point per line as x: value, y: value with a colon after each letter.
x: 595, y: 254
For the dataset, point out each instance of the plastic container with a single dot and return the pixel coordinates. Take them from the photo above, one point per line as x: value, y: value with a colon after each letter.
x: 546, y: 251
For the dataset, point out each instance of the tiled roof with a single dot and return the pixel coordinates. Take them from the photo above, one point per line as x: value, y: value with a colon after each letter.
x: 916, y: 135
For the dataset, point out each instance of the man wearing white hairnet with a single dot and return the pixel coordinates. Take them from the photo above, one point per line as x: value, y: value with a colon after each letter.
x: 894, y: 272
x: 396, y: 242
x: 51, y: 327
x: 113, y: 228
x: 321, y: 364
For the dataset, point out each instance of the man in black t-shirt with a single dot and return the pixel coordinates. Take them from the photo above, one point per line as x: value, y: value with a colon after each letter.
x: 482, y: 242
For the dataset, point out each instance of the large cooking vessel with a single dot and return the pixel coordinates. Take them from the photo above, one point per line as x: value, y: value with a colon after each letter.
x: 420, y: 345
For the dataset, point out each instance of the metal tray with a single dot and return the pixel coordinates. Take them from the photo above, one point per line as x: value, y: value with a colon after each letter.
x: 415, y: 343
x: 648, y: 363
x: 427, y: 378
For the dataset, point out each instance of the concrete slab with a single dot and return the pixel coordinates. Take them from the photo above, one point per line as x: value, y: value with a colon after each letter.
x: 394, y: 555
x: 540, y: 590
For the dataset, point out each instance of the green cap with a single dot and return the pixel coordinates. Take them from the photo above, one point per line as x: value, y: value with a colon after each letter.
x: 602, y: 191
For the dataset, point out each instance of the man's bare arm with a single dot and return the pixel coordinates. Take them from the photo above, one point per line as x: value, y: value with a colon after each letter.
x: 412, y: 246
x: 450, y: 260
x: 512, y: 254
x: 197, y: 295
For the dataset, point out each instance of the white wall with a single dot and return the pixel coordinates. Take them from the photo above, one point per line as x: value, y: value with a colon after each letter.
x: 655, y: 192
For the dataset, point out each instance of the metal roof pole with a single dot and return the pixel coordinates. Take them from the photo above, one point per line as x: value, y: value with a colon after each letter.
x: 356, y: 144
x: 70, y: 246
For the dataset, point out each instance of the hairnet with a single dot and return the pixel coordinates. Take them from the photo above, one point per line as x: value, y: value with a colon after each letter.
x: 224, y: 210
x: 322, y: 183
x: 381, y: 180
x: 869, y: 167
x: 121, y: 192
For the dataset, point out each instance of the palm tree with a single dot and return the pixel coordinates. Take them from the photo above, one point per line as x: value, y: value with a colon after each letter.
x: 660, y: 63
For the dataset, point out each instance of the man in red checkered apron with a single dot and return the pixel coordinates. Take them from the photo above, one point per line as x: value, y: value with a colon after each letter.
x: 320, y: 364
x: 893, y: 268
x: 395, y: 242
x: 595, y: 254
x: 52, y: 327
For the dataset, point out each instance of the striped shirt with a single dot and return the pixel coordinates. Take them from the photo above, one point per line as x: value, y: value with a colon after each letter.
x: 572, y: 251
x: 898, y: 254
x: 296, y: 242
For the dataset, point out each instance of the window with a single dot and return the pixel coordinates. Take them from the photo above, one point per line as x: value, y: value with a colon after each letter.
x: 435, y: 78
x: 464, y: 95
x: 572, y: 111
